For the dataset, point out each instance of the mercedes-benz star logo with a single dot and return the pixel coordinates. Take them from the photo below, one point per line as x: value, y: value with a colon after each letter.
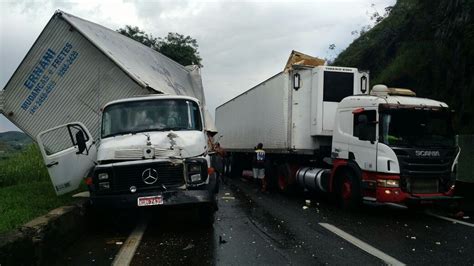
x: 150, y: 176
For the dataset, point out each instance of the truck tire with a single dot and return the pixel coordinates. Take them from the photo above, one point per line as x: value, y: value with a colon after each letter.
x: 283, y: 177
x: 206, y: 214
x: 348, y: 190
x: 235, y: 167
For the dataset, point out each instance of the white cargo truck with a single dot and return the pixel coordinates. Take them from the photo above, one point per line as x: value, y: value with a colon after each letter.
x: 77, y: 92
x: 323, y: 130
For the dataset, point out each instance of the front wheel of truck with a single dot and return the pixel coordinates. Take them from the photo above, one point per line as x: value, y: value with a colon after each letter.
x: 348, y: 190
x: 206, y: 214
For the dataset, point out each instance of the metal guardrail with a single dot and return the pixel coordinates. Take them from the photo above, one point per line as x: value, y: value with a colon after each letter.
x: 466, y: 158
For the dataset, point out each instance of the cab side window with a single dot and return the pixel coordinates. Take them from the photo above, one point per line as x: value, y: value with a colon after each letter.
x: 365, y: 125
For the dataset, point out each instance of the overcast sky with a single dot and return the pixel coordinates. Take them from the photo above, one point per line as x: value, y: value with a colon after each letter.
x: 241, y: 42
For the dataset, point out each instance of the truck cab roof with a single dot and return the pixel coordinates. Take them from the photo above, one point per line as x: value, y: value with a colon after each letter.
x: 374, y: 101
x: 152, y: 97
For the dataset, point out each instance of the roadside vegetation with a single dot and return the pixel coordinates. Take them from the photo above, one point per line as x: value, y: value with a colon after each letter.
x: 426, y: 46
x: 25, y: 189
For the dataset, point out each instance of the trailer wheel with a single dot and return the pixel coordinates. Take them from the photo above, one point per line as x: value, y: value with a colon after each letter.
x: 348, y: 190
x: 236, y: 166
x: 283, y: 174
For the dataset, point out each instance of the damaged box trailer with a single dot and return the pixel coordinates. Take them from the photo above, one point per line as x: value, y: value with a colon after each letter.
x: 82, y: 82
x: 75, y: 67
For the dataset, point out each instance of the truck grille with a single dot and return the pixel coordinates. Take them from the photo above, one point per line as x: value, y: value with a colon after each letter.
x: 425, y: 175
x: 170, y: 176
x: 423, y: 186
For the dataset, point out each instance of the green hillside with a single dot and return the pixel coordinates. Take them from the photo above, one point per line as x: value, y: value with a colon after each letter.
x: 427, y: 46
x: 12, y: 142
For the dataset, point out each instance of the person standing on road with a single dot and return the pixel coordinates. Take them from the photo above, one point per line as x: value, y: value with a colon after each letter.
x: 221, y: 154
x: 259, y: 167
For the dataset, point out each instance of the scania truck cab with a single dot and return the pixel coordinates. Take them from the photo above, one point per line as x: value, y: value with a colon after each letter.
x: 392, y: 147
x: 152, y: 151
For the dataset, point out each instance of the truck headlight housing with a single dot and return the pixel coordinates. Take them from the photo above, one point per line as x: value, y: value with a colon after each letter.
x: 388, y: 183
x: 197, y: 171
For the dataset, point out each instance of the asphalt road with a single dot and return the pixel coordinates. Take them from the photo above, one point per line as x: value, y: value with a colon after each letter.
x: 254, y: 228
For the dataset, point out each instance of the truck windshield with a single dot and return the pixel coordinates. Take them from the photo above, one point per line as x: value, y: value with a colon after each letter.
x: 150, y: 115
x: 416, y: 128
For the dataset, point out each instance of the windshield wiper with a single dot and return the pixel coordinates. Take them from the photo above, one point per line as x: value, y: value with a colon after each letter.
x: 116, y: 134
x: 172, y: 128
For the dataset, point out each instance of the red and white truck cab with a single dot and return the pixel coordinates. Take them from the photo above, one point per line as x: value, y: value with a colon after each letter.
x: 393, y: 147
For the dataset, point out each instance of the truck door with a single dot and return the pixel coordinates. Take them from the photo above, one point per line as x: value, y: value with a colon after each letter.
x: 69, y: 153
x: 363, y: 148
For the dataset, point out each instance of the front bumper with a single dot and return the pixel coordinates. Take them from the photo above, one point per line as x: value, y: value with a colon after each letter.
x: 170, y: 198
x: 396, y: 195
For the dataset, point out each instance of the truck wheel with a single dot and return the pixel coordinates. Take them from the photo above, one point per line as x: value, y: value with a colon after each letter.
x: 348, y: 190
x: 207, y: 214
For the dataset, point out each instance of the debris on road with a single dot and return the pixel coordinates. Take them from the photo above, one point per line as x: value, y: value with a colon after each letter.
x: 228, y: 198
x: 221, y: 240
x: 189, y: 246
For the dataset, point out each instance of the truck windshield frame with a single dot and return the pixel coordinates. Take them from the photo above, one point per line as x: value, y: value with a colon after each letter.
x: 150, y: 115
x: 416, y: 127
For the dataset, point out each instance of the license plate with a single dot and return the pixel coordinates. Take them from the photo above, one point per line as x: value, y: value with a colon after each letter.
x: 150, y: 201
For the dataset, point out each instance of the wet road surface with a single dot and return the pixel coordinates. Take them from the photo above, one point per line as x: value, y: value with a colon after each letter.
x: 273, y: 229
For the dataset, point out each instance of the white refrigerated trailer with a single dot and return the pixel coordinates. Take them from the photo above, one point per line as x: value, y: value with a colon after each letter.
x: 291, y: 112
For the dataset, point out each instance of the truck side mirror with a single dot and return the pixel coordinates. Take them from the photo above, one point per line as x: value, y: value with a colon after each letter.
x: 81, y: 142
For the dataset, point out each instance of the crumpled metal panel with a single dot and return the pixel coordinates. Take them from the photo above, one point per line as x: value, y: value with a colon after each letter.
x: 2, y: 100
x: 146, y: 66
x: 63, y: 79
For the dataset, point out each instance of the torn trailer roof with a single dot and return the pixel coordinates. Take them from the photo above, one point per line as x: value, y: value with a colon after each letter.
x: 76, y: 66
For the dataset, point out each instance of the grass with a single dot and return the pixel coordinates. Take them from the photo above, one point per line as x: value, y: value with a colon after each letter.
x: 26, y: 191
x: 23, y: 202
x: 23, y: 167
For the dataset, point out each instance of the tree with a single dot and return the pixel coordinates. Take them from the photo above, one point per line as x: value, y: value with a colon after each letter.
x: 180, y: 48
x: 139, y: 36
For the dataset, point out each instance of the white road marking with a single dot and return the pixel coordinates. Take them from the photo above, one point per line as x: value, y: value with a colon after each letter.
x: 362, y: 245
x: 125, y: 254
x: 449, y: 219
x: 84, y: 194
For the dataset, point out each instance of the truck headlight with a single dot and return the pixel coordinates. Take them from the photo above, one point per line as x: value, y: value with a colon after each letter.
x: 103, y: 176
x: 194, y: 168
x: 388, y: 183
